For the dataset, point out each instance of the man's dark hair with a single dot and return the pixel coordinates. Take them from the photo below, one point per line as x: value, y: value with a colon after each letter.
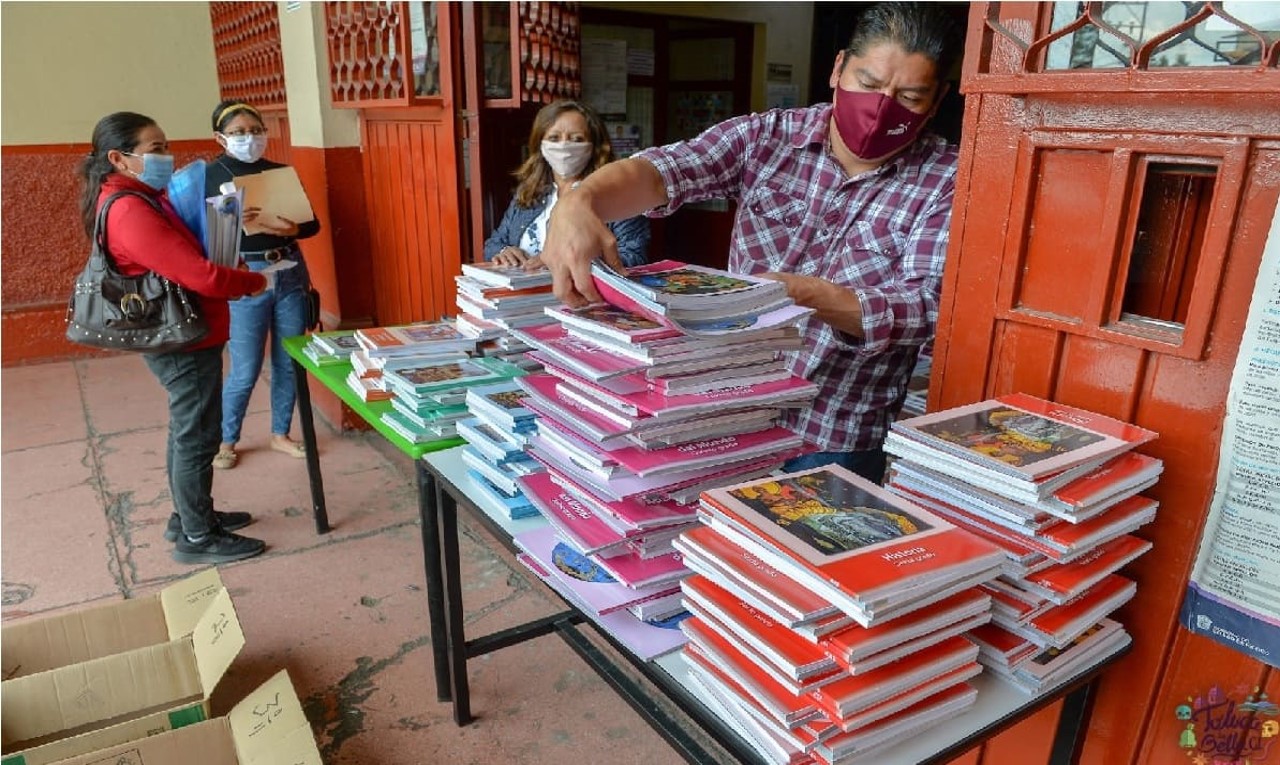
x: 924, y: 28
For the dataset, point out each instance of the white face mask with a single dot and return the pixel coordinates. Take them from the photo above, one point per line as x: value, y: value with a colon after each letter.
x: 246, y: 148
x: 567, y: 158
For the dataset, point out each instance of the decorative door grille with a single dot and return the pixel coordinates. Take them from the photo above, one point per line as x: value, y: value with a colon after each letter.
x: 246, y: 43
x: 366, y: 47
x: 550, y: 42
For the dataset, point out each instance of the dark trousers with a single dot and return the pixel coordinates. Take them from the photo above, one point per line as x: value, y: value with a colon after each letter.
x: 869, y: 464
x: 193, y: 380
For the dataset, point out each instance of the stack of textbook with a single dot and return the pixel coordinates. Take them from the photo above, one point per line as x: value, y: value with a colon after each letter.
x: 1058, y: 490
x: 636, y: 417
x: 497, y: 428
x: 429, y: 397
x: 378, y: 348
x: 494, y: 299
x: 331, y: 348
x: 829, y: 614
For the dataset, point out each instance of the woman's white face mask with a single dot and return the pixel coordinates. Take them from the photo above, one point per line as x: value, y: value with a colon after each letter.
x: 567, y: 158
x: 246, y: 148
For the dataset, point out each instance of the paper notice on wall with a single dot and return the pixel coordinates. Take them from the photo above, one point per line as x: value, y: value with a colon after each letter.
x: 604, y: 76
x: 1234, y: 593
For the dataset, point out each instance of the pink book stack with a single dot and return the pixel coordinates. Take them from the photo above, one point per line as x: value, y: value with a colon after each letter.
x: 637, y: 416
x: 1058, y: 489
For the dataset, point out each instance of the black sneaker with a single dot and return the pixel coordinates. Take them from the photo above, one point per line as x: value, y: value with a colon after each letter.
x: 233, y: 521
x: 218, y: 547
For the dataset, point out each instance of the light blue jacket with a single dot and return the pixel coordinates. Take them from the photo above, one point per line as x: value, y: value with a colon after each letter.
x: 632, y: 234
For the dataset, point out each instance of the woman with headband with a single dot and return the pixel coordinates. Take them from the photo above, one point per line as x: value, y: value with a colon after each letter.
x: 279, y: 312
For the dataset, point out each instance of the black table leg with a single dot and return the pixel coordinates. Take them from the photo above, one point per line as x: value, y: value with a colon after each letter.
x: 456, y: 640
x: 309, y: 442
x: 430, y: 521
x: 1071, y: 725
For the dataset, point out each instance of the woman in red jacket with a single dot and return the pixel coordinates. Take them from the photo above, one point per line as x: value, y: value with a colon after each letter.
x: 130, y: 154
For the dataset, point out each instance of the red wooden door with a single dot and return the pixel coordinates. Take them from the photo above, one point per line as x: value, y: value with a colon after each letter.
x: 411, y: 188
x: 397, y: 63
x: 1112, y: 207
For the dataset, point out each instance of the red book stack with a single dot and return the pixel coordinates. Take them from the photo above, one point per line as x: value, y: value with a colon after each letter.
x: 1058, y: 489
x: 829, y: 614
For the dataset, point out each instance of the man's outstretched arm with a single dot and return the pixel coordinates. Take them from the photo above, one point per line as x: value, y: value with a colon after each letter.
x: 577, y: 233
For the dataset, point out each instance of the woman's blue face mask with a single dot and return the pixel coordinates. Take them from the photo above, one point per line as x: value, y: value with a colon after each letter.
x: 157, y: 169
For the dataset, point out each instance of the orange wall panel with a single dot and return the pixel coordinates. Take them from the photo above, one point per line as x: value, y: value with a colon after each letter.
x: 43, y: 245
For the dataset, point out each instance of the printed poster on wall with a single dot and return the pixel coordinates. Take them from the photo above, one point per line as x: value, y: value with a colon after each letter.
x: 1234, y: 593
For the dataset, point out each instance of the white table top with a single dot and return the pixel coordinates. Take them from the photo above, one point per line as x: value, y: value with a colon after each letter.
x: 996, y: 699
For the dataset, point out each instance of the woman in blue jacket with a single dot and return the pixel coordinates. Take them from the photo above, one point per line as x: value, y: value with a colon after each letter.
x: 567, y: 143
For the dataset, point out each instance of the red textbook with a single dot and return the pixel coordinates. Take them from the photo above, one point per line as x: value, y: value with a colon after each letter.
x: 855, y: 644
x: 856, y: 544
x: 764, y: 581
x: 1064, y: 581
x: 797, y: 657
x: 857, y: 692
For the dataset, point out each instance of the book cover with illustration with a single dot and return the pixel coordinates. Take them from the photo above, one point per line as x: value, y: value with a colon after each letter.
x: 447, y: 374
x: 1023, y: 436
x: 379, y: 341
x: 646, y: 639
x: 670, y: 282
x: 613, y: 322
x: 842, y: 532
x: 502, y: 404
x: 592, y: 586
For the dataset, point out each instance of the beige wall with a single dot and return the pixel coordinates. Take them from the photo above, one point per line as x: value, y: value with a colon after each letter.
x: 64, y: 65
x: 312, y: 119
x: 788, y: 28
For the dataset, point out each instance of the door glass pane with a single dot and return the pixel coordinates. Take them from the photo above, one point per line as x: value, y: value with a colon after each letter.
x: 1213, y: 41
x: 495, y: 34
x: 424, y: 41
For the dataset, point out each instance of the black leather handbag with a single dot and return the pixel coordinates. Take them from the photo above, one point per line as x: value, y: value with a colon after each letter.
x: 145, y: 313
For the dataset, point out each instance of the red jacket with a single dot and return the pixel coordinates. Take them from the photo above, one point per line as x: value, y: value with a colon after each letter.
x: 139, y: 239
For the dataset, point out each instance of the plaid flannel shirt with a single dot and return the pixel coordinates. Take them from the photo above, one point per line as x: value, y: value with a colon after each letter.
x: 882, y: 234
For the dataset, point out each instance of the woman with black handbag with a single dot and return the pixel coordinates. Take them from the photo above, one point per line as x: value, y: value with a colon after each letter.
x: 129, y: 169
x: 281, y: 311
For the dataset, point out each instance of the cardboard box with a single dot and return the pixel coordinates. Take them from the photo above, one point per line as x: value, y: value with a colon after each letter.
x: 30, y: 646
x: 71, y: 709
x: 266, y: 728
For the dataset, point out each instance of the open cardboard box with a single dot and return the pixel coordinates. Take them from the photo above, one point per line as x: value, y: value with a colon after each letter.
x: 30, y: 646
x: 266, y: 728
x: 69, y: 709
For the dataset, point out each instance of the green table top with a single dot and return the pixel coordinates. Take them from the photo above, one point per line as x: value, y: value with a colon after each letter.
x: 334, y: 377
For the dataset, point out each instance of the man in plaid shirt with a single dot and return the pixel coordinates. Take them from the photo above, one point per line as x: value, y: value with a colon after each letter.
x: 848, y: 203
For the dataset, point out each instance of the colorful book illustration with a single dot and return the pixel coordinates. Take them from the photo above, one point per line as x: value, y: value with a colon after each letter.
x: 449, y: 373
x: 670, y: 283
x: 854, y: 543
x: 1022, y: 436
x: 591, y: 584
x: 382, y: 341
x: 645, y: 639
x: 613, y: 322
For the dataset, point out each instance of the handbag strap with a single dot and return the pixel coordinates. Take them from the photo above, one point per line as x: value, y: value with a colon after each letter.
x: 100, y: 251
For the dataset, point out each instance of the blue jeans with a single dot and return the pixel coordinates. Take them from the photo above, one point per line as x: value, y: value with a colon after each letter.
x: 193, y: 380
x: 282, y: 312
x: 869, y: 464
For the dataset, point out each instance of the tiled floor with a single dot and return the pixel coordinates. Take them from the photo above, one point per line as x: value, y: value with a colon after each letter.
x: 83, y: 502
